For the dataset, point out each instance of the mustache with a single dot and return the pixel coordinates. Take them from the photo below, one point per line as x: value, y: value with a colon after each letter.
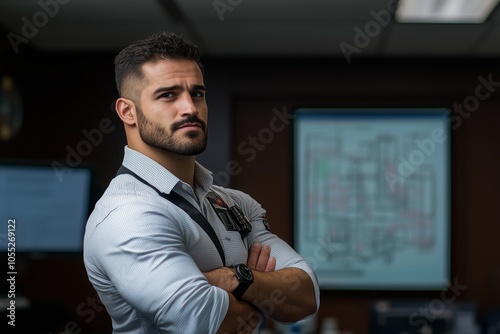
x: 188, y: 119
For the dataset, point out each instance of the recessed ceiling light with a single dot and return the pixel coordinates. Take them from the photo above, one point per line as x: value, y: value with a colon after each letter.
x: 444, y: 11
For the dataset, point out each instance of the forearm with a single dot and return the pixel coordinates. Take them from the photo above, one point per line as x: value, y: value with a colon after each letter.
x: 285, y: 295
x: 241, y: 318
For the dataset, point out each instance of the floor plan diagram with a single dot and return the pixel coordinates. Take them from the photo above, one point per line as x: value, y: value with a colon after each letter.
x: 371, y: 196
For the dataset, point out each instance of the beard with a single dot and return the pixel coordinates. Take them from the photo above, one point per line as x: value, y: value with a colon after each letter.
x: 192, y: 143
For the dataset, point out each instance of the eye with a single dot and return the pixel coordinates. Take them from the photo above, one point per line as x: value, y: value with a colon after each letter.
x: 167, y: 95
x: 198, y: 94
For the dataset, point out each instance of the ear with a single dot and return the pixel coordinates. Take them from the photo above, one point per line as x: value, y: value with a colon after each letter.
x: 125, y: 109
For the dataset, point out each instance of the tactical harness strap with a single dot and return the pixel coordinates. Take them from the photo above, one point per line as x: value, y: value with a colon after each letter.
x: 182, y: 203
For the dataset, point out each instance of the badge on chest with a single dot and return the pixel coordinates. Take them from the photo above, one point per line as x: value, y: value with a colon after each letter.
x: 232, y: 217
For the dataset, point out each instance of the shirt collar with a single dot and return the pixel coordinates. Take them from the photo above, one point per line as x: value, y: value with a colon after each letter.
x: 160, y: 177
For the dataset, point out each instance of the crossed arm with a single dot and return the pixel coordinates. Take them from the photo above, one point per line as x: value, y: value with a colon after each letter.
x: 285, y: 295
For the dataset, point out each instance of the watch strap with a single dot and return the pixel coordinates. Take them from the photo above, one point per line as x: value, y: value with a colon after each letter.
x: 240, y: 290
x: 244, y: 281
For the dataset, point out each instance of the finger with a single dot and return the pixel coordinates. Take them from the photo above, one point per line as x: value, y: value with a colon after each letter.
x: 265, y: 254
x: 271, y: 264
x: 253, y: 256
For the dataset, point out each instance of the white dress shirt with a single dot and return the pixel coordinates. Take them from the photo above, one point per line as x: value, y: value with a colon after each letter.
x: 145, y: 256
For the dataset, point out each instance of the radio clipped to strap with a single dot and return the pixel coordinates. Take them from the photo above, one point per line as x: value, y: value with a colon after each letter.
x: 233, y: 218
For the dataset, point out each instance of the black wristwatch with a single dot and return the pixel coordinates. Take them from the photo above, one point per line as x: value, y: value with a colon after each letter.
x: 245, y: 277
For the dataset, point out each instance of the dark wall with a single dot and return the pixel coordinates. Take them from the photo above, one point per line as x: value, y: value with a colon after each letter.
x: 267, y: 175
x: 65, y: 94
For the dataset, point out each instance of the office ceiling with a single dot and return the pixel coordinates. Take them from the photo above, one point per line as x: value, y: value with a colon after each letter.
x: 261, y: 28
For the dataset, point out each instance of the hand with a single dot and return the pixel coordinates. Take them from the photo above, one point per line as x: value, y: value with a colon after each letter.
x: 223, y: 277
x: 260, y: 259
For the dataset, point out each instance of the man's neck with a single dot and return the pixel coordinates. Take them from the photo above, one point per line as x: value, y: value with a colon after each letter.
x: 180, y: 165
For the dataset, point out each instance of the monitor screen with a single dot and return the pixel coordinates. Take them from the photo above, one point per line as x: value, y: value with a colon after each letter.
x: 372, y: 197
x: 46, y: 209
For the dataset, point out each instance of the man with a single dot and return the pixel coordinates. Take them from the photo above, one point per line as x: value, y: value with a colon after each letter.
x: 155, y: 264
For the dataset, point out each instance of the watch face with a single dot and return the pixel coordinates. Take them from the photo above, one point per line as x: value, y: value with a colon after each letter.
x: 245, y: 273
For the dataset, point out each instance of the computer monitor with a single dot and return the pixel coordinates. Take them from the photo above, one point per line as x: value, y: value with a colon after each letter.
x: 45, y: 209
x: 372, y: 197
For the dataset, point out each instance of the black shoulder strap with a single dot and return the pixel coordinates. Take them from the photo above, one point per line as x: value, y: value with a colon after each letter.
x: 182, y: 203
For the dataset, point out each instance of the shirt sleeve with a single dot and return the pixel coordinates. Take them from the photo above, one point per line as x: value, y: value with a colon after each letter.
x: 141, y: 249
x: 286, y: 256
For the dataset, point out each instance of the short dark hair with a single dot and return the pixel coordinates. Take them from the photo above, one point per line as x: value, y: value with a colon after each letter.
x: 159, y: 46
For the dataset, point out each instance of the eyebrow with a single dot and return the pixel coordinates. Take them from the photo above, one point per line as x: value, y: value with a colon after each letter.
x: 178, y: 87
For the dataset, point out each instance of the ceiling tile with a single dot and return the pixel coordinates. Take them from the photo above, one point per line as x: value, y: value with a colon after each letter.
x: 258, y: 11
x: 282, y: 40
x: 86, y: 25
x: 490, y: 46
x: 251, y: 28
x: 433, y: 39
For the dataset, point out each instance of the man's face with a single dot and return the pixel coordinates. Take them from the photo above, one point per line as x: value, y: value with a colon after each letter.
x: 172, y: 114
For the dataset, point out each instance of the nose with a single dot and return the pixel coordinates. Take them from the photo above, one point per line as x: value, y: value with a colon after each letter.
x: 188, y: 107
